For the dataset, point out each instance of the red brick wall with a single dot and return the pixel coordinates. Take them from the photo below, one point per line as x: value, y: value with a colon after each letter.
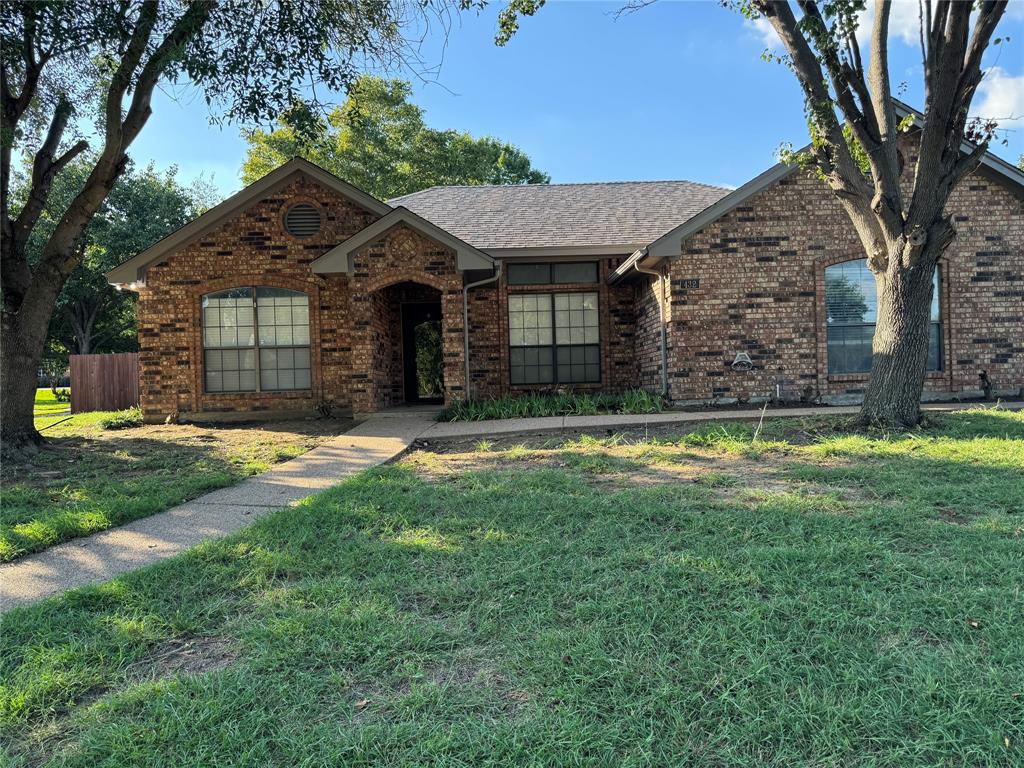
x: 251, y: 248
x: 650, y: 293
x: 355, y: 325
x: 761, y: 273
x: 401, y: 255
x: 760, y: 267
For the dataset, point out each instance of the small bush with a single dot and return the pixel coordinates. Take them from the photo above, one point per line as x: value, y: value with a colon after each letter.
x: 126, y: 419
x: 559, y: 404
x: 62, y: 395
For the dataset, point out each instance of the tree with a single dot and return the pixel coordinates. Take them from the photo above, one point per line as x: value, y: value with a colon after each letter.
x: 904, y: 229
x: 143, y: 207
x: 67, y: 66
x: 378, y: 141
x: 902, y: 224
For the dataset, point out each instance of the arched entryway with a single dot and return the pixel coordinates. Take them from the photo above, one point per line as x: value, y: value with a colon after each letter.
x: 407, y: 332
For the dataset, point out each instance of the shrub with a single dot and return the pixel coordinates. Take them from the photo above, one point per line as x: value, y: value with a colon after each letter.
x: 559, y: 404
x: 62, y: 395
x: 126, y: 419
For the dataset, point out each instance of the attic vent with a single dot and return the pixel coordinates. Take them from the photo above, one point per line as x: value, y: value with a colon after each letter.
x: 302, y: 220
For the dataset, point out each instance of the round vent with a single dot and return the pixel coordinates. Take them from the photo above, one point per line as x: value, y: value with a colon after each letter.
x: 302, y: 220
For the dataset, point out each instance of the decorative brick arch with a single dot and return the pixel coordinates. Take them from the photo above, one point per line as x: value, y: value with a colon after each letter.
x: 406, y: 276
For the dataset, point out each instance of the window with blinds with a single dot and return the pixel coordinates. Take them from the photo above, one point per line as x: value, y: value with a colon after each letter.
x: 554, y: 338
x: 255, y: 340
x: 851, y: 308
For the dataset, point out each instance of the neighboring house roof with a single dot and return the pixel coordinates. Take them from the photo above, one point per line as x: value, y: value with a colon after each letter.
x: 133, y: 270
x: 613, y: 217
x: 339, y: 258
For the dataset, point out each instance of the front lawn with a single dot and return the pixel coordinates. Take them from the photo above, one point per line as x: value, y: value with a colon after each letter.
x: 88, y: 479
x: 815, y: 598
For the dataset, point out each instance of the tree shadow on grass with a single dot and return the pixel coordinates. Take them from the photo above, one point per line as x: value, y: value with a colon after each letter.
x: 77, y: 486
x: 591, y: 606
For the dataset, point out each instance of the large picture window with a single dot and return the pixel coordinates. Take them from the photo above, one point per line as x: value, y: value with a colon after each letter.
x: 255, y: 340
x: 851, y: 308
x: 554, y: 338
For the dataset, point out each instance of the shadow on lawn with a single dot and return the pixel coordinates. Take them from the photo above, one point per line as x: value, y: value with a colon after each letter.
x: 77, y: 486
x: 387, y: 577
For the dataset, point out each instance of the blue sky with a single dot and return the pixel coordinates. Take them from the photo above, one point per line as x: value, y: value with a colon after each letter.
x: 677, y: 90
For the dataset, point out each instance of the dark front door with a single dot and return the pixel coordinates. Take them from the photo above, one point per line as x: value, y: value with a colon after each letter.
x: 422, y: 358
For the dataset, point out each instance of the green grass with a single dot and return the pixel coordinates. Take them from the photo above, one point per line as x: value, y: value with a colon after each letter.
x: 88, y: 479
x: 811, y: 602
x: 47, y: 405
x: 564, y: 404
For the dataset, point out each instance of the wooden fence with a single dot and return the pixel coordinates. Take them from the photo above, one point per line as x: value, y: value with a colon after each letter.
x: 104, y: 382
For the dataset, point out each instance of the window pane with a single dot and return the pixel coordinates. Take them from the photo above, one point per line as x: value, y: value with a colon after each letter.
x: 851, y: 311
x: 227, y: 318
x: 531, y: 365
x: 574, y: 273
x: 849, y: 348
x: 529, y: 319
x: 529, y: 274
x: 850, y: 293
x: 935, y: 347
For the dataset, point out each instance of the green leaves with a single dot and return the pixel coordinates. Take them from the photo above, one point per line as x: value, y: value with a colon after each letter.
x: 378, y: 140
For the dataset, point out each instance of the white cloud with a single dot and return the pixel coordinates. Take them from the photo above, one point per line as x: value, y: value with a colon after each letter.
x: 1001, y: 96
x: 763, y: 30
x: 904, y: 25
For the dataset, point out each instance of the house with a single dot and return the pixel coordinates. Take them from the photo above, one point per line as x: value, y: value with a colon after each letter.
x: 302, y: 291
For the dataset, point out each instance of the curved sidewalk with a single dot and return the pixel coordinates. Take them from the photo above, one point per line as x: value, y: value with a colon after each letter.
x: 380, y: 438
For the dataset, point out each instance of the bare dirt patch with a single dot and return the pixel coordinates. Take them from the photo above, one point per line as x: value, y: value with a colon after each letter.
x: 621, y: 463
x: 184, y: 657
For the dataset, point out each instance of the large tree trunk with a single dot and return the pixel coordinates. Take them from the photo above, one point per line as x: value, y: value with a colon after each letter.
x: 22, y: 341
x: 900, y: 347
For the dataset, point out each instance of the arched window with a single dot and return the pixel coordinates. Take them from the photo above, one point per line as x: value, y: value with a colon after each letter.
x: 851, y: 308
x: 255, y: 339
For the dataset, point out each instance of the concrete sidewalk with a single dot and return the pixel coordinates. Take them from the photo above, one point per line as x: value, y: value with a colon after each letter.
x: 380, y: 438
x: 457, y: 429
x: 104, y: 555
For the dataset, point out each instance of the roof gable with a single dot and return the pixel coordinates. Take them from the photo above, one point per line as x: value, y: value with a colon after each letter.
x: 339, y: 258
x: 133, y: 270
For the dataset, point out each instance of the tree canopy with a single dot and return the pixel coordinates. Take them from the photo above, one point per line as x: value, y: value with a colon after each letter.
x: 143, y: 206
x: 77, y: 80
x: 378, y: 141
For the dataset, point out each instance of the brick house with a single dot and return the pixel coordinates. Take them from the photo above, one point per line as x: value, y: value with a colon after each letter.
x: 302, y: 290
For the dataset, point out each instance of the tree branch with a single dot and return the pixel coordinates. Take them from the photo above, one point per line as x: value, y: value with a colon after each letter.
x: 59, y: 252
x: 45, y: 167
x: 835, y: 160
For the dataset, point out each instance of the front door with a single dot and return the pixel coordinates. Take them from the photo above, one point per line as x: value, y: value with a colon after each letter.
x: 423, y: 361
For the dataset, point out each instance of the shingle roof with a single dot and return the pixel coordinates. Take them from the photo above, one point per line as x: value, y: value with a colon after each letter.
x: 627, y: 213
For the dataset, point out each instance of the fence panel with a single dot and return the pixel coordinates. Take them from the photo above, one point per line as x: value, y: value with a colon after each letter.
x: 104, y: 382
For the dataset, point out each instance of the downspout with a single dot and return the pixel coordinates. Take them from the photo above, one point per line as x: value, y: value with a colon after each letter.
x: 661, y: 318
x: 465, y: 320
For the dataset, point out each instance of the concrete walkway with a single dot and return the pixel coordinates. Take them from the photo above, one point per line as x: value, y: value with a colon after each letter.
x: 104, y: 555
x: 381, y: 437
